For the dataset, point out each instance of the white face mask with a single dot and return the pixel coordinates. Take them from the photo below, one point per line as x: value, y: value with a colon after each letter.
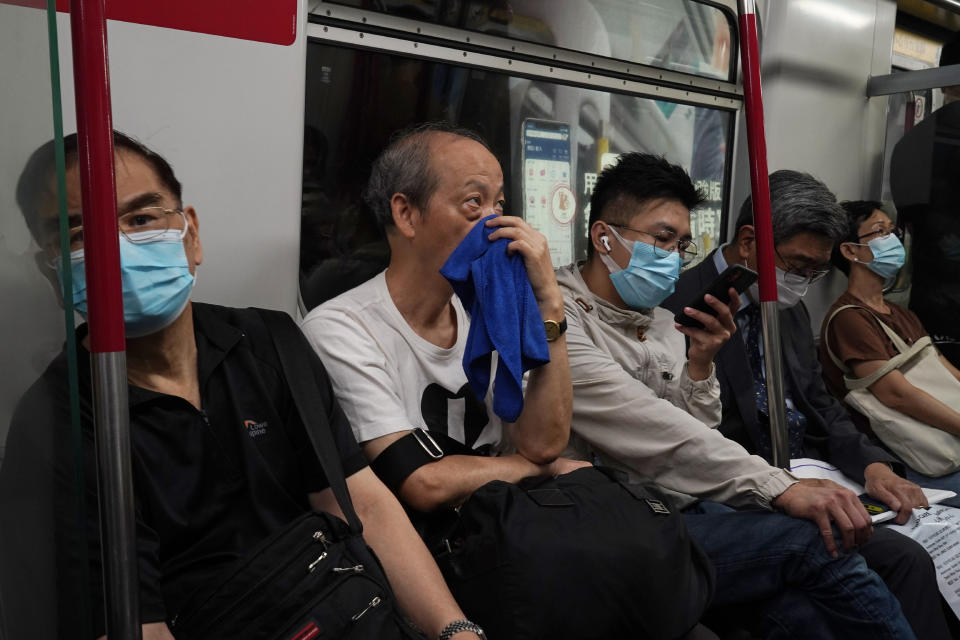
x: 790, y: 288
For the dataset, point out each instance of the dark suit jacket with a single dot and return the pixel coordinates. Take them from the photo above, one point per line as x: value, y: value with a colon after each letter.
x: 830, y: 434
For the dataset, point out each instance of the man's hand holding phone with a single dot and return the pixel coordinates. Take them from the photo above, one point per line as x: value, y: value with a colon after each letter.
x: 706, y: 341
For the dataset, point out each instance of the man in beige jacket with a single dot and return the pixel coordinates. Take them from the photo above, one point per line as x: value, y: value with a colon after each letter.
x: 645, y: 403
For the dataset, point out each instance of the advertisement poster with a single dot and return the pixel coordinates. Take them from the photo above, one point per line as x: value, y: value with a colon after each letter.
x: 549, y: 204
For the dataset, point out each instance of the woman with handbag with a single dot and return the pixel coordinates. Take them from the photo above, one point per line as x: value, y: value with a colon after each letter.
x: 878, y: 358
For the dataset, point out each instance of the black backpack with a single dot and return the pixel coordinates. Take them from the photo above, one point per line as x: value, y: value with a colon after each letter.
x: 586, y: 555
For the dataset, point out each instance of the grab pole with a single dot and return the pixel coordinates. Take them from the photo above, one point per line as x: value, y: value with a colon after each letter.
x: 763, y: 225
x: 105, y: 317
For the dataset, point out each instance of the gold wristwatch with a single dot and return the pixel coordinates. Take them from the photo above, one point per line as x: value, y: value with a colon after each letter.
x: 554, y: 329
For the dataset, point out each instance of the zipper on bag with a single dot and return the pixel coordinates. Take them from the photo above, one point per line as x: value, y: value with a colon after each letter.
x: 374, y: 603
x: 357, y: 568
x: 317, y: 536
x: 338, y: 582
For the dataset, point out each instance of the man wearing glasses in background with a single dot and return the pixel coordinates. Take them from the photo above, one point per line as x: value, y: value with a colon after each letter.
x: 647, y: 404
x: 807, y: 222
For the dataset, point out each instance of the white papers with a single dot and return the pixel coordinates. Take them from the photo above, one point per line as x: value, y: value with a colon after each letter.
x: 811, y: 468
x: 938, y: 530
x: 934, y: 496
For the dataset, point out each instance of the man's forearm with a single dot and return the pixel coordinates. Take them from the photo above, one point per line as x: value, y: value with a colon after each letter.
x: 421, y: 592
x: 449, y: 481
x: 543, y: 429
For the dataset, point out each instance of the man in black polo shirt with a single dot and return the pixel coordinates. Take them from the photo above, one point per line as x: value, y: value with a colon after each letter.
x: 220, y: 456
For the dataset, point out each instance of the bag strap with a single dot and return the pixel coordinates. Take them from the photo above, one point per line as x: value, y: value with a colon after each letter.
x: 895, y: 362
x: 290, y: 345
x: 826, y: 335
x: 906, y: 354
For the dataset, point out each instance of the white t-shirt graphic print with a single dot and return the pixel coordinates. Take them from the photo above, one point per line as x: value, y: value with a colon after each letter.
x: 389, y: 379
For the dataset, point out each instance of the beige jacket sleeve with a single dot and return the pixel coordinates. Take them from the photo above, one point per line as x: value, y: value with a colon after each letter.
x: 623, y: 418
x: 699, y: 398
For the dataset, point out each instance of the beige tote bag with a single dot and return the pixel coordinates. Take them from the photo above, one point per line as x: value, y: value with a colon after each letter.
x: 925, y: 449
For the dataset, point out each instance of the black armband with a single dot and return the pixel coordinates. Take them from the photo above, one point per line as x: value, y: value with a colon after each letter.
x: 412, y: 451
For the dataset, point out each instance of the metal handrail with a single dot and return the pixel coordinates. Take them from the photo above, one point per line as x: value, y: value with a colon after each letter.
x: 105, y: 317
x: 763, y: 224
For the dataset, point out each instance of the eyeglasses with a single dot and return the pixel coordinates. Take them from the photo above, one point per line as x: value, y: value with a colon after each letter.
x: 882, y: 233
x: 800, y: 275
x: 665, y: 243
x: 137, y: 226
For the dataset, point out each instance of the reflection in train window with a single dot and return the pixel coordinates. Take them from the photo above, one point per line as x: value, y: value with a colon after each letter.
x: 680, y: 35
x: 551, y: 139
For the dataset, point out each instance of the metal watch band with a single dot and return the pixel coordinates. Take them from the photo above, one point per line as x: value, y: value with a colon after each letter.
x: 457, y: 626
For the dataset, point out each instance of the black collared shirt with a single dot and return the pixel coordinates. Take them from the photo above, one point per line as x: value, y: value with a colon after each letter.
x: 209, y: 484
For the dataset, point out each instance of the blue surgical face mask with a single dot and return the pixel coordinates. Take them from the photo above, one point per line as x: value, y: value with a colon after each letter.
x: 155, y: 276
x: 648, y: 278
x: 888, y: 256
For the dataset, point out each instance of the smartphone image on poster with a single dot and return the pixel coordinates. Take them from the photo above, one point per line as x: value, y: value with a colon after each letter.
x: 549, y: 204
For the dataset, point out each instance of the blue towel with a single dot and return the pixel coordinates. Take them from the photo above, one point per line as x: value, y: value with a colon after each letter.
x: 504, y: 316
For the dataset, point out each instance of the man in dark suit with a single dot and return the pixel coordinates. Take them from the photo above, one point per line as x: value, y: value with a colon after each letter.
x: 806, y: 222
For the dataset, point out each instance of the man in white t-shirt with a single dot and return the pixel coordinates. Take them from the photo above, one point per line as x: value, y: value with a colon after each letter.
x: 394, y: 344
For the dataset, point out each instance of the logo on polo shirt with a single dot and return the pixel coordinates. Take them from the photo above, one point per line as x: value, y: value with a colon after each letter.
x: 255, y: 429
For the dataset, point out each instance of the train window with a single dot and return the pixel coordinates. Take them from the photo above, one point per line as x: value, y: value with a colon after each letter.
x: 551, y: 138
x: 679, y: 35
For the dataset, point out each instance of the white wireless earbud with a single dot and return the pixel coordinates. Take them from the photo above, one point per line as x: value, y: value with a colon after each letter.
x: 605, y: 242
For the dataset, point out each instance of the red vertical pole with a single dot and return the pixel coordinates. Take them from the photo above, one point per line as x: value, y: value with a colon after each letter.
x: 98, y: 188
x: 91, y: 75
x: 757, y: 146
x: 763, y: 227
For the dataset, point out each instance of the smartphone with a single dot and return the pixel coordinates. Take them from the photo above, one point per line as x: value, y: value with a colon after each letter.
x: 549, y: 204
x: 736, y: 276
x: 873, y: 506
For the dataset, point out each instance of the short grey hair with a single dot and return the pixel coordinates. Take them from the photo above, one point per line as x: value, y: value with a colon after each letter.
x: 800, y: 203
x: 404, y: 167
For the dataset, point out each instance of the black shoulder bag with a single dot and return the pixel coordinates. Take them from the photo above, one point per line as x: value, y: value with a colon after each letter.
x: 314, y: 579
x: 585, y: 555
